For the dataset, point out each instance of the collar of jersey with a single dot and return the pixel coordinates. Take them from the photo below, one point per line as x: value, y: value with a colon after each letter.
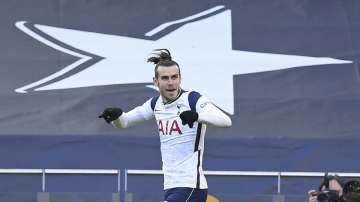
x: 177, y: 97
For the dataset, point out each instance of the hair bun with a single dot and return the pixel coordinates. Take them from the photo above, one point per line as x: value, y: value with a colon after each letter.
x: 160, y: 55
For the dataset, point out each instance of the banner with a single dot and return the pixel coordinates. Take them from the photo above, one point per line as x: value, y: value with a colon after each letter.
x: 285, y: 69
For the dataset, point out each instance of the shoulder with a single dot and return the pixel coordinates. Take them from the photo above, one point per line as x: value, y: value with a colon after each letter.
x: 153, y: 101
x: 193, y: 99
x: 194, y: 95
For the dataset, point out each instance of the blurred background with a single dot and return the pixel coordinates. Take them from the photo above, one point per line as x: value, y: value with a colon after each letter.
x: 287, y: 72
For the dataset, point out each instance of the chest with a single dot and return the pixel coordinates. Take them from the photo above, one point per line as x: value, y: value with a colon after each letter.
x: 168, y: 120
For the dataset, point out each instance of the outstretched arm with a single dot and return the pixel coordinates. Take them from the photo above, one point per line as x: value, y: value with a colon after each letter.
x: 211, y: 115
x: 214, y: 116
x: 206, y: 113
x: 131, y: 118
x: 120, y: 119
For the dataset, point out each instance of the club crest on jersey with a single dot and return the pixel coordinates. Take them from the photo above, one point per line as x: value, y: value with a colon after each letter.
x: 169, y: 127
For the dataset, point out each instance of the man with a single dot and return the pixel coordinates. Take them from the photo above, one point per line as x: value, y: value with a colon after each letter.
x: 330, y: 183
x: 182, y: 145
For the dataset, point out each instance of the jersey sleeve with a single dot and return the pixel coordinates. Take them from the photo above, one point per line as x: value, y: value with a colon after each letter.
x: 210, y: 114
x: 137, y: 115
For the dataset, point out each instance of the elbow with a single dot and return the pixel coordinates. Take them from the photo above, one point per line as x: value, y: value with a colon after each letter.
x: 228, y: 123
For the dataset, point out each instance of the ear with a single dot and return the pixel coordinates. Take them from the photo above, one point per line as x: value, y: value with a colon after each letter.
x: 156, y: 82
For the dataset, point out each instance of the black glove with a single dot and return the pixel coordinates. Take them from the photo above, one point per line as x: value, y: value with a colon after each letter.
x: 111, y: 114
x: 189, y: 117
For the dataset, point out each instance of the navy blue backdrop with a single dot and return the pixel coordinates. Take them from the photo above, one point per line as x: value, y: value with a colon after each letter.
x: 291, y: 86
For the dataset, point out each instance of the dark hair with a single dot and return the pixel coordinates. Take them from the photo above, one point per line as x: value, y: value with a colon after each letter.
x: 328, y: 178
x: 162, y: 58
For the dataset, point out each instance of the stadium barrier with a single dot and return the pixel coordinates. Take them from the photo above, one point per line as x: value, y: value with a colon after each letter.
x: 44, y: 196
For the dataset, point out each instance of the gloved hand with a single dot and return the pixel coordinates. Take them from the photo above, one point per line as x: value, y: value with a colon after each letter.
x: 111, y: 114
x: 189, y: 117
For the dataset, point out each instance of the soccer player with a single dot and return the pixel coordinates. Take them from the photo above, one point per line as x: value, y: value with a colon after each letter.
x: 181, y: 117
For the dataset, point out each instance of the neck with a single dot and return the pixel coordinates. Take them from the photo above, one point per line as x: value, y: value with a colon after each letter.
x: 167, y: 101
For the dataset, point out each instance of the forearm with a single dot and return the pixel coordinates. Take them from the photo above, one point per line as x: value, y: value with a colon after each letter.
x: 211, y: 115
x: 129, y: 119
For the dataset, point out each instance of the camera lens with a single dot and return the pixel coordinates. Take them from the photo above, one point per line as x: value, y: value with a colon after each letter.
x: 328, y: 196
x: 323, y: 197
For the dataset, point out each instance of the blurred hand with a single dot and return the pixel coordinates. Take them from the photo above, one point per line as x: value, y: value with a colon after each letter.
x: 111, y: 114
x: 189, y: 117
x: 312, y: 196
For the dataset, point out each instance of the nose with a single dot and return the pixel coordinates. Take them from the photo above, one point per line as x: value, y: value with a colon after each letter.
x: 170, y: 82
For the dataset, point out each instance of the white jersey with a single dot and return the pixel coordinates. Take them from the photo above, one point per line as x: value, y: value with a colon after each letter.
x: 182, y: 147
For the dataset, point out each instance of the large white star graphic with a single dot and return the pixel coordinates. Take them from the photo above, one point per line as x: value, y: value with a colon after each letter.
x: 203, y: 48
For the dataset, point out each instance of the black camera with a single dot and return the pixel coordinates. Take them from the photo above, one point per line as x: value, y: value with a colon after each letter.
x: 327, y: 196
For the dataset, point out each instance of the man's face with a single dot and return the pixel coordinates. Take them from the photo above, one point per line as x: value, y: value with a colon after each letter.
x: 335, y: 186
x: 168, y: 82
